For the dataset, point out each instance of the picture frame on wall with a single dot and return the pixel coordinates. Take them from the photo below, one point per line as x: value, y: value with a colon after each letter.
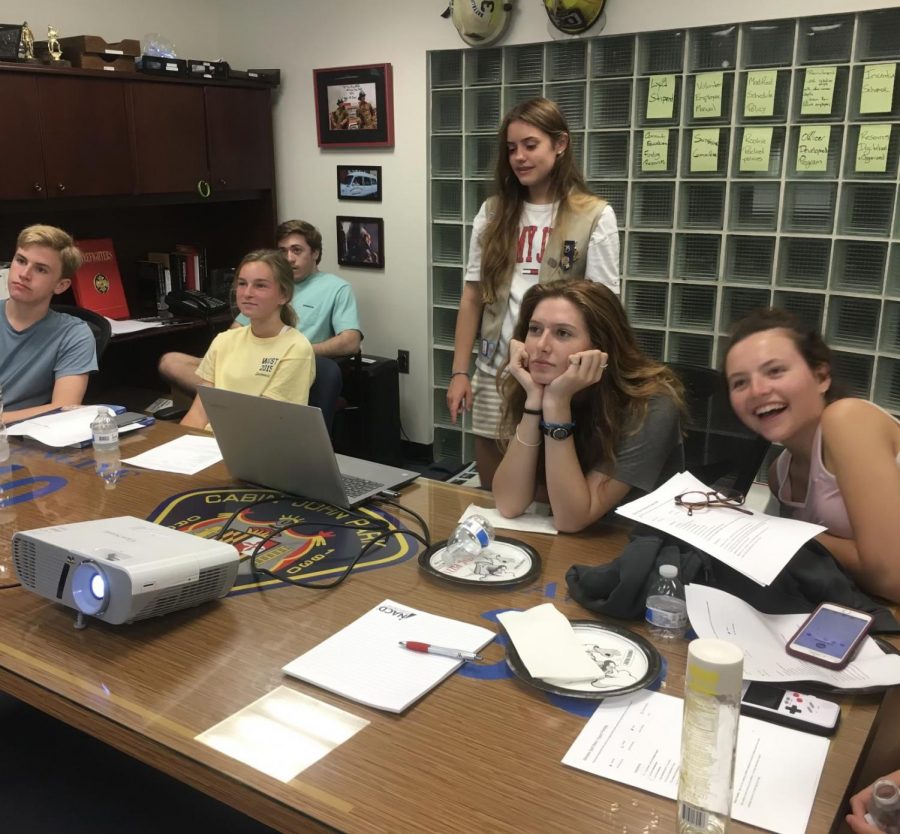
x: 354, y: 106
x: 361, y: 242
x: 359, y: 182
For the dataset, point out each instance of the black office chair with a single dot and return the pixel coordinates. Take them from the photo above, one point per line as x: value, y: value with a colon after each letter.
x: 100, y: 327
x: 326, y: 389
x: 718, y: 448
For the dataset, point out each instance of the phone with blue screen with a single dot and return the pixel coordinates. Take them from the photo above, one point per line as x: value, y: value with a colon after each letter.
x: 830, y: 636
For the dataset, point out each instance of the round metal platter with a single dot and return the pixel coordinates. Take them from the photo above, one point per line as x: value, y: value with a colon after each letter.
x: 626, y: 662
x: 505, y: 564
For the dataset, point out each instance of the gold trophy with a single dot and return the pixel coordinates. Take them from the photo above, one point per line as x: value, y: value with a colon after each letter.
x: 53, y: 54
x: 26, y: 44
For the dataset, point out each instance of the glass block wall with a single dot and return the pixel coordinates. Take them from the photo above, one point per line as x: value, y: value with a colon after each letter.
x: 711, y: 226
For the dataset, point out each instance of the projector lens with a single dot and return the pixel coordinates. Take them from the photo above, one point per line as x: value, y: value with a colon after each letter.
x: 98, y: 586
x: 90, y: 590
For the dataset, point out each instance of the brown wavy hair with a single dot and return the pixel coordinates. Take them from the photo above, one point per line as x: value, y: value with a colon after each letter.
x: 499, y: 240
x: 808, y: 341
x: 617, y: 405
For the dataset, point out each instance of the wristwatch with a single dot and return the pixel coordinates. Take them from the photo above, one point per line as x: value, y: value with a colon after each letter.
x: 558, y: 431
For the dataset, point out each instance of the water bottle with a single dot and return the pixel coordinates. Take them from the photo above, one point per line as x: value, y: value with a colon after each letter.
x: 4, y: 438
x: 884, y: 807
x: 470, y: 537
x: 666, y: 609
x: 712, y: 701
x: 105, y: 434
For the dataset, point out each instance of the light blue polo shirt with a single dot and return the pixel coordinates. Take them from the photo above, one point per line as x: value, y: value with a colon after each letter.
x: 325, y: 306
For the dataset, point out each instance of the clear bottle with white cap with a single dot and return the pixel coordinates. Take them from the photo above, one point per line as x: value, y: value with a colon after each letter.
x: 712, y: 704
x: 884, y: 806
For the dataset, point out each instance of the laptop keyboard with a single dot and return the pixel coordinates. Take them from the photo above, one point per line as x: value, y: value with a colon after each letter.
x: 355, y: 487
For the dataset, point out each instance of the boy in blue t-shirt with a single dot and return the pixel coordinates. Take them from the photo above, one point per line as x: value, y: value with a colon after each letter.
x: 45, y: 356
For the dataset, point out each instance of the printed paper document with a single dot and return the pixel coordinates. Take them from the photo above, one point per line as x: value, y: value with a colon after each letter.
x: 757, y: 545
x: 530, y: 521
x: 365, y: 661
x: 186, y: 455
x: 763, y: 637
x: 70, y: 427
x: 636, y: 740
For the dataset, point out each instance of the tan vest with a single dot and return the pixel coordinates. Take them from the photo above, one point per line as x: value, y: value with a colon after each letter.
x: 565, y: 258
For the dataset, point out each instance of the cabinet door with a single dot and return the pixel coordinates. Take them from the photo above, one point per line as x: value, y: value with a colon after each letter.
x: 239, y: 130
x: 20, y: 140
x: 169, y: 137
x: 87, y: 143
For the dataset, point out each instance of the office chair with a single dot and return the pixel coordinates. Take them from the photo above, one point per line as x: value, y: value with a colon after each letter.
x: 718, y: 448
x: 326, y: 389
x: 100, y: 327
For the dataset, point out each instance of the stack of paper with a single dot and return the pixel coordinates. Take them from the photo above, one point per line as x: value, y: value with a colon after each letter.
x: 365, y: 662
x: 756, y: 544
x: 69, y: 427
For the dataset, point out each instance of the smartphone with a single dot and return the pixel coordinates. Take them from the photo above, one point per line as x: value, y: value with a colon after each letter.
x: 127, y: 417
x: 790, y: 709
x: 830, y: 635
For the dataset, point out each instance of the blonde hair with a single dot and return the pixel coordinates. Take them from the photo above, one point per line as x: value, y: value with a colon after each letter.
x: 281, y: 272
x: 56, y: 239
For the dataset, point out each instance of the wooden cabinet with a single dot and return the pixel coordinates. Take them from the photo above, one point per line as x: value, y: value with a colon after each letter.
x: 20, y: 140
x: 169, y: 137
x: 85, y: 136
x: 239, y: 131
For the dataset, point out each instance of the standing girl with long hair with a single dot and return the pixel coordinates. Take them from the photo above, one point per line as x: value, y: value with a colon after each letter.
x: 541, y: 225
x: 589, y: 419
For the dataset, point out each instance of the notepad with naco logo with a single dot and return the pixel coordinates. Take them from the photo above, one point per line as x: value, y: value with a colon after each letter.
x: 365, y: 662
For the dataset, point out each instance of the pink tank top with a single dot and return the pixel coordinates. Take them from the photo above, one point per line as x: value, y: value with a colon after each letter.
x: 824, y: 503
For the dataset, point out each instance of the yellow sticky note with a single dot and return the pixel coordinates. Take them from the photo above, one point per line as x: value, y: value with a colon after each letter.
x: 877, y: 88
x: 661, y: 97
x: 818, y: 91
x: 655, y: 150
x: 812, y: 147
x: 872, y: 148
x: 708, y: 95
x: 755, y: 149
x: 705, y: 149
x: 759, y: 97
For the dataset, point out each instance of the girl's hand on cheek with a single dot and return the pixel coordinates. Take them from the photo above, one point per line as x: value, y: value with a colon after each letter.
x: 585, y: 369
x: 518, y: 367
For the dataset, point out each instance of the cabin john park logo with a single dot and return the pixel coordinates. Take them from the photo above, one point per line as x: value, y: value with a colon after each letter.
x: 318, y: 543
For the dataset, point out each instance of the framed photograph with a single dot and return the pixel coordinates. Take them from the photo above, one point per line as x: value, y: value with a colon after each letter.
x: 361, y: 242
x: 354, y: 107
x: 357, y: 182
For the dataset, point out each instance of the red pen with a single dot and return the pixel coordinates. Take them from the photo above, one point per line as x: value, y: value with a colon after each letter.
x: 456, y: 654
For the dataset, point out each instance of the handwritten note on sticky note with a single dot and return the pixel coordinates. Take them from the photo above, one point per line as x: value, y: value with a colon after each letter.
x: 755, y: 149
x: 661, y: 97
x: 872, y: 148
x: 877, y: 90
x: 705, y: 149
x: 708, y: 95
x: 655, y: 150
x: 818, y: 91
x: 759, y: 97
x: 812, y: 148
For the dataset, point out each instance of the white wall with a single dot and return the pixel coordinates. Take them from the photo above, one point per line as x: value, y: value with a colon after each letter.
x: 300, y: 35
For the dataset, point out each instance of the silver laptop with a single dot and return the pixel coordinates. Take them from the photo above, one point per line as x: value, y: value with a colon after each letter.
x: 286, y: 446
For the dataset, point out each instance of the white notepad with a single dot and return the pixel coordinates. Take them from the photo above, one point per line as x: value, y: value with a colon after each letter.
x: 365, y: 662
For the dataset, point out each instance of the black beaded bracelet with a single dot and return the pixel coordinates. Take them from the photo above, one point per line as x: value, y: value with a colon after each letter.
x: 536, y: 411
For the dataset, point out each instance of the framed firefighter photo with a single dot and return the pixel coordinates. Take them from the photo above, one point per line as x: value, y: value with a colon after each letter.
x: 354, y: 107
x: 361, y: 242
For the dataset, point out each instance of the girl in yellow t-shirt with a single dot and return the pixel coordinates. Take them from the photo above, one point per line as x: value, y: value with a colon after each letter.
x: 269, y: 357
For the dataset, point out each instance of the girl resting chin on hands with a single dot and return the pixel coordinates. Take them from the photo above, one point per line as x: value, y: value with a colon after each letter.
x: 588, y: 419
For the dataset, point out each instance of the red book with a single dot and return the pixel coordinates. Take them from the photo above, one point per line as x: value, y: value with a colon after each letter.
x: 98, y: 284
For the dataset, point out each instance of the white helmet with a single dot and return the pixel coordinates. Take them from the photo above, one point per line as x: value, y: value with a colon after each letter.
x: 573, y: 16
x: 479, y: 22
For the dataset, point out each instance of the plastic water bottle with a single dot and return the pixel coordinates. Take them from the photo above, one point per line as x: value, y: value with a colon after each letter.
x: 666, y: 609
x: 884, y: 807
x: 105, y: 434
x: 712, y: 701
x: 4, y: 438
x: 469, y: 538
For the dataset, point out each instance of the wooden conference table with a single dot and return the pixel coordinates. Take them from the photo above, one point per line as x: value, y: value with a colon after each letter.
x: 472, y: 755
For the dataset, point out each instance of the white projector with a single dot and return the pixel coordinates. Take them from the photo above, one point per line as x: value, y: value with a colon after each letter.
x: 123, y: 569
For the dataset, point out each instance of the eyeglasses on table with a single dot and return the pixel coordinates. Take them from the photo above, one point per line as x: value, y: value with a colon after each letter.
x: 697, y: 500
